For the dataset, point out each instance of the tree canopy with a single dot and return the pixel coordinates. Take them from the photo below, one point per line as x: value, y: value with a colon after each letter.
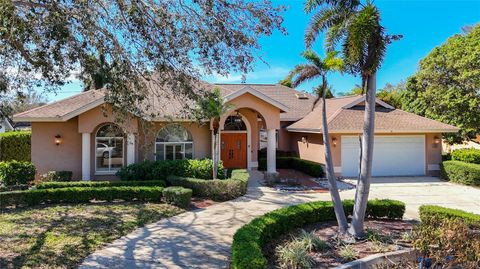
x: 127, y: 45
x: 447, y: 85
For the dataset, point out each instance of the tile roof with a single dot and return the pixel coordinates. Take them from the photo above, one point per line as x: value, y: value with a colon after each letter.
x: 350, y: 120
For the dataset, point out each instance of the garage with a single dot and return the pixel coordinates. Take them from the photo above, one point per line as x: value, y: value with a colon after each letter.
x: 392, y: 155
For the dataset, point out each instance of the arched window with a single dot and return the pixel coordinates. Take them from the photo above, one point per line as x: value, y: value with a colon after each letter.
x: 234, y: 123
x: 173, y: 142
x: 109, y: 148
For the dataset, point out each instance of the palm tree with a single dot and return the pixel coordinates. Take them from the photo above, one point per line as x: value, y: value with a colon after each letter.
x: 355, y: 26
x: 318, y: 69
x: 212, y: 107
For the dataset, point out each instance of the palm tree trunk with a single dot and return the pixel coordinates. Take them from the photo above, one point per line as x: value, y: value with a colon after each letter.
x: 214, y: 155
x: 363, y: 186
x: 332, y: 182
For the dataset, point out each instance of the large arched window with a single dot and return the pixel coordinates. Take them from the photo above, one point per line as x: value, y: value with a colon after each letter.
x: 109, y: 148
x: 173, y: 142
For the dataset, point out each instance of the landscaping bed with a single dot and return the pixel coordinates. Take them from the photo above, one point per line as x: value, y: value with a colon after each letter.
x: 383, y: 236
x: 61, y: 236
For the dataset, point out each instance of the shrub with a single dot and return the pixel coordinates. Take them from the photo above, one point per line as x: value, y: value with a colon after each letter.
x: 461, y: 172
x: 294, y: 255
x: 467, y: 155
x: 79, y: 195
x: 308, y: 167
x: 57, y: 176
x: 56, y: 185
x: 217, y: 189
x: 155, y: 170
x: 15, y: 146
x: 434, y: 215
x: 178, y: 196
x: 16, y: 173
x: 249, y: 239
x: 446, y: 156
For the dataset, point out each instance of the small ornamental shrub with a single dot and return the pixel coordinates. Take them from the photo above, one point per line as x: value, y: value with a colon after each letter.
x: 159, y: 170
x: 16, y: 173
x: 461, y: 172
x: 217, y: 189
x: 313, y: 169
x: 467, y: 155
x: 433, y: 215
x: 15, y: 146
x: 56, y: 185
x: 249, y: 240
x: 79, y: 195
x: 294, y: 255
x: 178, y: 196
x: 57, y: 176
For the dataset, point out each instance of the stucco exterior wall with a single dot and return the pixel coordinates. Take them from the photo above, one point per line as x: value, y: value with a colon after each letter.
x: 285, y: 137
x: 46, y: 156
x: 310, y: 149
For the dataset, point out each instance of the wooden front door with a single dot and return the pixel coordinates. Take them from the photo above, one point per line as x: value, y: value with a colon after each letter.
x: 233, y: 150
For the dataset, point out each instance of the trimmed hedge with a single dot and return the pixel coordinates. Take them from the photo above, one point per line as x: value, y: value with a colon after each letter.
x: 16, y: 172
x: 461, y: 172
x: 249, y: 240
x: 79, y: 195
x: 156, y: 170
x: 15, y: 146
x: 57, y: 176
x: 217, y: 189
x: 313, y: 169
x: 57, y: 185
x: 178, y: 196
x: 434, y: 215
x: 467, y: 155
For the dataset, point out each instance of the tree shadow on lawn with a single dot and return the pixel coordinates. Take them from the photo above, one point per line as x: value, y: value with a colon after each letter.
x: 63, y: 235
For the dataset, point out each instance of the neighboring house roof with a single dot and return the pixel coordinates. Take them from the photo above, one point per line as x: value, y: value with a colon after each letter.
x: 345, y: 115
x: 6, y: 123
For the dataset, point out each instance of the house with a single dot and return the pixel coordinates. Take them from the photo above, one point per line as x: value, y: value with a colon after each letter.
x: 80, y: 133
x: 5, y: 124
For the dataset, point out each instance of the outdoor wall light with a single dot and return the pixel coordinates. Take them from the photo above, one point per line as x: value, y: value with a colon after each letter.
x: 58, y: 139
x: 304, y: 139
x: 334, y: 141
x: 437, y: 140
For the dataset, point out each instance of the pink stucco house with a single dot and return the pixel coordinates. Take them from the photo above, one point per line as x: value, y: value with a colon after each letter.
x: 81, y: 134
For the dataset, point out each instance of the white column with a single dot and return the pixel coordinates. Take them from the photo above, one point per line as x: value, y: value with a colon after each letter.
x: 271, y: 151
x: 86, y: 156
x: 130, y: 148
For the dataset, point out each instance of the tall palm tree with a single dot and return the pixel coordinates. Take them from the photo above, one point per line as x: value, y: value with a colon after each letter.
x: 316, y: 68
x: 355, y: 26
x: 212, y: 107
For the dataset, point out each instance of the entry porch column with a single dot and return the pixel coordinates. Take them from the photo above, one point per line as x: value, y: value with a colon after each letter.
x: 271, y: 154
x: 86, y: 156
x: 130, y: 148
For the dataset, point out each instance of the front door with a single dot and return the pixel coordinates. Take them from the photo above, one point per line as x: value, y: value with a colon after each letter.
x: 233, y: 150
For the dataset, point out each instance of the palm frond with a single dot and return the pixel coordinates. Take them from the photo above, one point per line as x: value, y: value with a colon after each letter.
x: 307, y: 73
x: 313, y: 58
x: 320, y: 22
x: 332, y: 62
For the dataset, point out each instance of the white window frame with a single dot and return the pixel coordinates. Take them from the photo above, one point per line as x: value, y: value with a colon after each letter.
x: 184, y: 143
x: 110, y: 171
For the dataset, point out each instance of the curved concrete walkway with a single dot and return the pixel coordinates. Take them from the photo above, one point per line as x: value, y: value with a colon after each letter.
x: 202, y: 238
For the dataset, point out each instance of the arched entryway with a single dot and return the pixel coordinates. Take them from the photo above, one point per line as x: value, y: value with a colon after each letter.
x: 235, y: 141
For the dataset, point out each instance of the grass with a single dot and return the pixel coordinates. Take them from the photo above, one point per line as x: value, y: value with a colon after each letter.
x: 62, y: 236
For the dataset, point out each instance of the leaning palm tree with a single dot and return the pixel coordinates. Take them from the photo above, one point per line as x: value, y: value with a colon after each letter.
x: 212, y: 107
x: 318, y: 69
x: 355, y: 26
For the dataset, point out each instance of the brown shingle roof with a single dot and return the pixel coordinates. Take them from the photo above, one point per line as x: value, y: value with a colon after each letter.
x: 350, y: 120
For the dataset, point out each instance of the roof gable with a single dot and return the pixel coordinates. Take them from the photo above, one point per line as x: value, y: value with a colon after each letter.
x: 259, y: 95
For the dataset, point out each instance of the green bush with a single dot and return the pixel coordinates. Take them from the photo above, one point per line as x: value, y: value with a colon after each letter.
x: 15, y: 146
x: 156, y: 170
x: 434, y: 215
x: 467, y: 155
x: 16, y: 173
x: 217, y: 189
x: 57, y: 176
x: 178, y: 196
x: 249, y: 240
x: 446, y: 156
x: 308, y: 167
x: 56, y: 185
x: 461, y: 172
x: 79, y: 195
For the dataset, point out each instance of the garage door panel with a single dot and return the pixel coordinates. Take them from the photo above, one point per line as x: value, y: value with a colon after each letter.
x: 392, y: 156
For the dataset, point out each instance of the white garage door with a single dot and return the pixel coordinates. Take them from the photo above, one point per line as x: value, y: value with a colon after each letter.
x: 392, y: 156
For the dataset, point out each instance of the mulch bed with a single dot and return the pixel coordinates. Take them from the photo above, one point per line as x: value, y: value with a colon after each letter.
x: 201, y: 203
x: 327, y: 231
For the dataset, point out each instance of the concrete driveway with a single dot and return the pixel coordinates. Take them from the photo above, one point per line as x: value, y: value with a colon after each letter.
x: 202, y: 238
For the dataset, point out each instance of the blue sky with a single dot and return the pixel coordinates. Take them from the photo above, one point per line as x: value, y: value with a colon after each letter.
x: 424, y: 25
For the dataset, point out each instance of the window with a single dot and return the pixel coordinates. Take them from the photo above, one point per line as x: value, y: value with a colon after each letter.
x: 173, y: 142
x: 108, y: 148
x: 264, y: 140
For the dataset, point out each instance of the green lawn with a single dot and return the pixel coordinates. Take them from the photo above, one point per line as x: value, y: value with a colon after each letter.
x: 62, y: 236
